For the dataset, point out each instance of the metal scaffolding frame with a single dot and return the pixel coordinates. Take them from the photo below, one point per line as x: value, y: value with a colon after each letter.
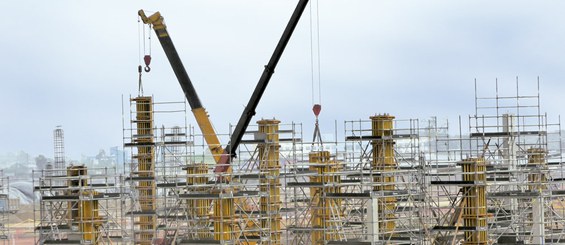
x: 335, y: 190
x: 160, y: 173
x: 5, y: 209
x: 383, y: 177
x: 266, y: 151
x: 501, y: 183
x: 390, y: 181
x: 141, y: 183
x: 192, y: 203
x: 85, y: 209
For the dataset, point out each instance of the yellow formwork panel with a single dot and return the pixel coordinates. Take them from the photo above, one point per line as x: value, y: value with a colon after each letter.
x: 536, y: 181
x: 146, y: 168
x: 269, y: 166
x: 475, y: 202
x: 74, y: 184
x: 199, y: 208
x: 384, y: 163
x: 223, y: 217
x: 325, y: 169
x: 84, y: 212
x: 90, y: 221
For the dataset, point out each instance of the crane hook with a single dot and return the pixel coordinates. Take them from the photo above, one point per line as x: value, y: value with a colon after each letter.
x: 316, y: 109
x: 147, y: 59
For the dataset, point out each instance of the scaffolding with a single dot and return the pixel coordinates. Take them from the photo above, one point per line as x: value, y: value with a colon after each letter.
x: 384, y: 180
x: 389, y: 181
x: 86, y: 209
x: 265, y: 151
x: 158, y: 174
x: 344, y: 192
x: 193, y: 204
x: 174, y: 144
x: 498, y: 184
x: 209, y: 199
x: 141, y: 180
x: 324, y: 170
x: 5, y: 209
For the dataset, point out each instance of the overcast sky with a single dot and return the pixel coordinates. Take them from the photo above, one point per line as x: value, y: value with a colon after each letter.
x: 69, y: 62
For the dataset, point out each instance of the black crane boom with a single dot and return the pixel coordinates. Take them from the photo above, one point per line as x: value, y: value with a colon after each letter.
x: 249, y: 111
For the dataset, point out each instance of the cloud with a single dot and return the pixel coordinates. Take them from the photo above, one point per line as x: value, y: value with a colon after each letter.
x: 70, y: 62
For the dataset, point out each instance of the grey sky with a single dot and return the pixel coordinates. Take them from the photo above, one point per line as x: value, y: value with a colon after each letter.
x: 68, y: 62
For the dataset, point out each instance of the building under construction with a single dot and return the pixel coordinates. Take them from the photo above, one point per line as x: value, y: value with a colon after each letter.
x: 494, y: 178
x: 386, y: 181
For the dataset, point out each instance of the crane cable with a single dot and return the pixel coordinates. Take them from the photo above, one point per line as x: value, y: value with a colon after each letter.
x: 139, y: 68
x: 146, y: 51
x: 317, y: 106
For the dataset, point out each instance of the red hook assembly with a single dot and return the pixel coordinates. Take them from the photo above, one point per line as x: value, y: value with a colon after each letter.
x: 147, y: 59
x: 317, y: 109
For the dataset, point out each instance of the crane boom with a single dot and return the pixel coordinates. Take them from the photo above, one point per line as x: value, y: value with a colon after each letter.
x: 202, y: 119
x: 249, y: 111
x: 221, y: 156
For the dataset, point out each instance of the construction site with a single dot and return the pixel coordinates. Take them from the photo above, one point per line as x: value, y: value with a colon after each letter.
x: 493, y: 177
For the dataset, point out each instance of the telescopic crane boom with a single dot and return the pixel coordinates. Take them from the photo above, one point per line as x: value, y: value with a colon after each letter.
x: 249, y: 111
x: 202, y: 119
x: 221, y: 156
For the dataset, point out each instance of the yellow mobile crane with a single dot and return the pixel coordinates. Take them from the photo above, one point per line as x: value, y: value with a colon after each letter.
x: 221, y: 156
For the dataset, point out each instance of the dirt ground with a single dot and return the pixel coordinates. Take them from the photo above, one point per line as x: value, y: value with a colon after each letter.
x: 21, y: 226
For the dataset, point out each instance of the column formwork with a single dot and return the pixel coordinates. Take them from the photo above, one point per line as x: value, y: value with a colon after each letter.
x: 270, y: 168
x: 144, y: 173
x: 199, y: 208
x: 324, y: 227
x: 475, y: 202
x: 537, y: 183
x: 384, y: 165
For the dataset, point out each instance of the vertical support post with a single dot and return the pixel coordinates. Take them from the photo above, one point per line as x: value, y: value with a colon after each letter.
x: 509, y: 150
x: 146, y: 170
x: 384, y: 164
x: 322, y: 224
x: 372, y: 219
x: 474, y: 197
x: 270, y: 167
x: 537, y: 181
x: 508, y: 143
